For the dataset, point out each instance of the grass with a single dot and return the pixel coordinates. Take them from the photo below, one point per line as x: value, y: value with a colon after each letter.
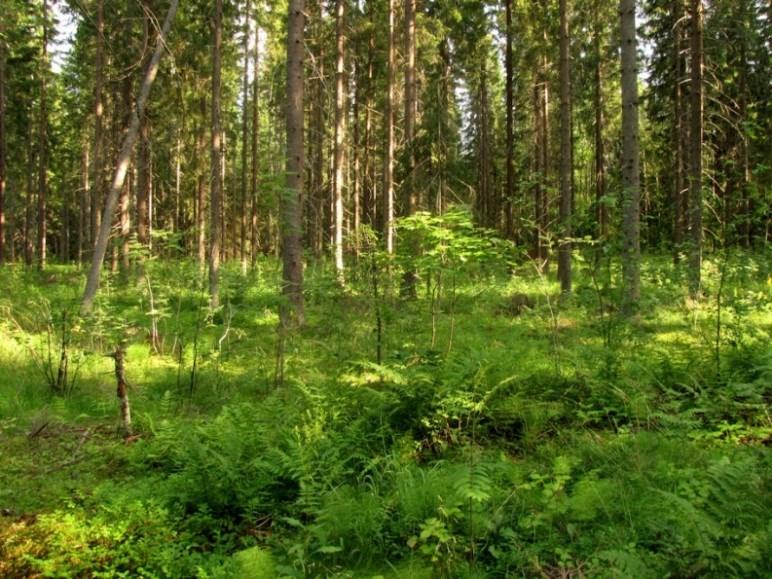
x: 556, y: 440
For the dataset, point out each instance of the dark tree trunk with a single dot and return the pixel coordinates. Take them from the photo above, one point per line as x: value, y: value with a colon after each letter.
x: 43, y: 147
x: 695, y: 153
x: 215, y: 231
x: 509, y: 65
x: 388, y: 172
x: 2, y: 144
x: 566, y: 150
x: 292, y: 312
x: 631, y: 191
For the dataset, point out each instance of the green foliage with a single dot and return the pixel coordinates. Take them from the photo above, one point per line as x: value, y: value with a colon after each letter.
x: 470, y: 461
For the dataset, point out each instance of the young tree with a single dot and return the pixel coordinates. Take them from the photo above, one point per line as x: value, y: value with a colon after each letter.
x: 566, y: 149
x: 243, y: 225
x: 2, y: 143
x: 695, y: 149
x: 292, y: 312
x: 215, y: 231
x: 340, y: 134
x: 122, y: 165
x: 509, y: 66
x: 98, y: 159
x: 43, y: 145
x: 388, y: 171
x: 631, y: 249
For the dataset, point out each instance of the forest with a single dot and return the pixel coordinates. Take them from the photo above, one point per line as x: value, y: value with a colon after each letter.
x: 385, y: 288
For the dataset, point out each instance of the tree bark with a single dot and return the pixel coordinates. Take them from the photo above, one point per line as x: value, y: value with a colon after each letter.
x: 411, y: 194
x: 566, y: 150
x: 678, y: 130
x: 100, y: 247
x: 144, y: 185
x: 215, y: 231
x: 43, y: 147
x: 122, y: 390
x: 340, y: 135
x: 292, y: 312
x: 369, y: 203
x: 98, y: 160
x: 2, y: 143
x: 601, y: 212
x: 254, y: 176
x: 509, y: 66
x: 388, y: 171
x: 631, y: 193
x: 243, y: 218
x: 695, y: 153
x: 201, y: 187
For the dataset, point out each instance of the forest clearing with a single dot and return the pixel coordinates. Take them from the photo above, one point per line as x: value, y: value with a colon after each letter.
x: 385, y: 289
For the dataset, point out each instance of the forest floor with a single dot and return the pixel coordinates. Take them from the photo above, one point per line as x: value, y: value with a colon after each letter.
x: 504, y: 432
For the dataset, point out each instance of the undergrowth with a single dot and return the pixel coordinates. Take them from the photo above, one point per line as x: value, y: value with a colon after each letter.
x: 496, y: 436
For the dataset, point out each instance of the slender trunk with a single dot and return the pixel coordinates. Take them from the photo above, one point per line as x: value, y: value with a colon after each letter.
x: 124, y: 201
x: 484, y: 201
x: 388, y: 171
x: 340, y: 135
x: 122, y: 166
x: 695, y: 153
x: 201, y: 187
x: 601, y: 212
x: 2, y: 144
x: 144, y: 184
x: 254, y: 231
x: 566, y: 160
x: 84, y: 198
x: 215, y: 231
x: 29, y: 247
x: 509, y: 65
x: 411, y: 196
x: 122, y: 390
x: 369, y: 211
x: 292, y: 312
x: 43, y: 146
x: 244, y: 143
x: 98, y: 164
x: 317, y: 200
x: 631, y: 193
x: 356, y: 190
x: 678, y: 141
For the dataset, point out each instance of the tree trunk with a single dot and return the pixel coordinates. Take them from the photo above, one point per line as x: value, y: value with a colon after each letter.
x: 340, y: 135
x: 695, y: 153
x: 254, y: 231
x: 215, y: 231
x: 411, y: 197
x: 243, y: 224
x: 201, y: 187
x: 43, y: 146
x: 98, y: 161
x: 678, y: 129
x: 100, y: 247
x: 631, y: 193
x: 29, y: 246
x: 356, y: 180
x: 144, y: 178
x: 292, y: 312
x: 122, y: 390
x: 369, y: 203
x: 509, y: 66
x: 566, y: 150
x: 2, y: 143
x: 601, y: 212
x: 84, y: 198
x: 388, y: 171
